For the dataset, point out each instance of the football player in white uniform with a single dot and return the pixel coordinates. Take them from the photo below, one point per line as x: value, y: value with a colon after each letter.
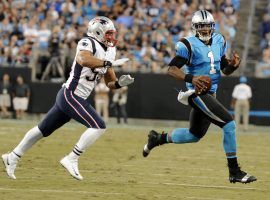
x: 95, y: 58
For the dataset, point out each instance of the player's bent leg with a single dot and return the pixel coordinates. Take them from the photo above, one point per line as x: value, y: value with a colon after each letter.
x: 219, y: 115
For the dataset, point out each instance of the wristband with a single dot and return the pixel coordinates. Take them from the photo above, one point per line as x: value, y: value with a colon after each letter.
x: 188, y: 78
x: 117, y: 86
x: 107, y: 63
x: 229, y: 69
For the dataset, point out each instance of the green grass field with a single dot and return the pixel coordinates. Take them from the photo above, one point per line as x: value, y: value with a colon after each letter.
x: 113, y: 168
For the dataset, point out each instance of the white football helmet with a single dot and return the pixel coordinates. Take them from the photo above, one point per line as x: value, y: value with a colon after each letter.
x: 103, y: 30
x: 203, y: 25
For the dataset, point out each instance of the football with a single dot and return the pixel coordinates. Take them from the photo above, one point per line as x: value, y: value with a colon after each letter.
x: 207, y: 85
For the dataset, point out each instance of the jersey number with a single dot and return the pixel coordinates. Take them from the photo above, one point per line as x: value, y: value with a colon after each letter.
x: 93, y: 77
x: 211, y: 56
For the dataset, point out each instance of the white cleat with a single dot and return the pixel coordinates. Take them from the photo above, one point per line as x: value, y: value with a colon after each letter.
x: 72, y: 167
x: 10, y: 165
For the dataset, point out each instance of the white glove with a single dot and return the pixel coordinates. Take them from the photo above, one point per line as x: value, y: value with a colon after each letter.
x: 183, y: 96
x: 119, y: 61
x: 125, y: 80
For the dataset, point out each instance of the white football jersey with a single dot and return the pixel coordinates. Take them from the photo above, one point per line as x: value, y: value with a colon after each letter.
x: 82, y: 80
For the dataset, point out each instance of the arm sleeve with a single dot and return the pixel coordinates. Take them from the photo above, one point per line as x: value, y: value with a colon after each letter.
x: 178, y: 61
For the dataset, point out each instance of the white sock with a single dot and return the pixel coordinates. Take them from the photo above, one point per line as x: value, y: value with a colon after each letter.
x: 30, y: 138
x: 85, y: 141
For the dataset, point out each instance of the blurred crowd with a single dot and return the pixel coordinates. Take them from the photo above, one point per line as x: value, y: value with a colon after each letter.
x: 34, y: 31
x: 263, y: 67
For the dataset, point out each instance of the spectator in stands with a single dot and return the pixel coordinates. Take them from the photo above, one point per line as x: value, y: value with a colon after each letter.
x: 5, y: 92
x: 263, y: 67
x: 119, y: 101
x: 265, y: 31
x: 241, y: 102
x: 33, y: 22
x: 30, y: 31
x: 2, y: 53
x: 227, y: 7
x: 102, y: 100
x: 126, y: 18
x: 21, y: 96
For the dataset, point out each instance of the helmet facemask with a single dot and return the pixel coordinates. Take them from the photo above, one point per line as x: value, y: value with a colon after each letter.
x: 204, y: 31
x: 110, y: 38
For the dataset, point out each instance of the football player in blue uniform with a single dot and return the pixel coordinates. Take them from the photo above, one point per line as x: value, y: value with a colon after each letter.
x: 203, y: 55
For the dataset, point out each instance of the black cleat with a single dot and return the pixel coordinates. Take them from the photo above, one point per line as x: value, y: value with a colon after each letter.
x: 153, y: 141
x: 237, y: 175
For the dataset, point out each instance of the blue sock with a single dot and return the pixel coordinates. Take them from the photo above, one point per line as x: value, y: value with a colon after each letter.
x: 229, y: 138
x: 182, y: 135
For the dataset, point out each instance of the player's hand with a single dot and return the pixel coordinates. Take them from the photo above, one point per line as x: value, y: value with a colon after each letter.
x: 125, y: 80
x: 235, y: 60
x: 199, y: 83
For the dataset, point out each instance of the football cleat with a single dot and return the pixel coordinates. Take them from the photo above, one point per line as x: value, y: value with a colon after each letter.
x: 72, y: 167
x: 10, y: 165
x: 153, y: 141
x: 237, y: 175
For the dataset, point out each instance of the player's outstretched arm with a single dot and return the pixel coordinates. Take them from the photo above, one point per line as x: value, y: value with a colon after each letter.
x: 228, y: 65
x: 86, y: 59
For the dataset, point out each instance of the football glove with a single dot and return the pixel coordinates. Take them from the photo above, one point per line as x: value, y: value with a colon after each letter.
x: 125, y: 80
x: 235, y: 60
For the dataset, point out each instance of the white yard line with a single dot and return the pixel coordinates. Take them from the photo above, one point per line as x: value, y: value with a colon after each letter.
x: 203, y: 186
x: 190, y: 197
x: 61, y: 191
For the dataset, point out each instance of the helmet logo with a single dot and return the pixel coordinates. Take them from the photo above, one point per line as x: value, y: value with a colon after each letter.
x: 103, y: 22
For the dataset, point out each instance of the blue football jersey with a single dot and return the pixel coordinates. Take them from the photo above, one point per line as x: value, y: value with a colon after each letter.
x: 203, y: 59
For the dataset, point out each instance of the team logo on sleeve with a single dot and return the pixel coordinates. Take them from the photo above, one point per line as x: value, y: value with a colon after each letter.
x: 84, y: 44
